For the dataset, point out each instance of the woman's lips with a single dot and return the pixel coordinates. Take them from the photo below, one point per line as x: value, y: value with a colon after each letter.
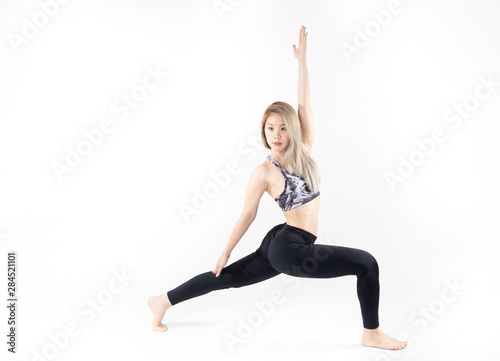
x: 275, y: 143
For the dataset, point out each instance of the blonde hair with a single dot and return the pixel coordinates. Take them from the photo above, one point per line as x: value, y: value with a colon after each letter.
x: 297, y: 158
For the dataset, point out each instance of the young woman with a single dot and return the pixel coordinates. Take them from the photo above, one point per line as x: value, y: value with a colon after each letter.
x: 291, y: 177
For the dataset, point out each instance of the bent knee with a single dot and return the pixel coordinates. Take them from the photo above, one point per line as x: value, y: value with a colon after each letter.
x: 370, y: 265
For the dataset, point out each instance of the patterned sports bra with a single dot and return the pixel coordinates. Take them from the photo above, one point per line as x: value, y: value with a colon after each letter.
x: 296, y: 191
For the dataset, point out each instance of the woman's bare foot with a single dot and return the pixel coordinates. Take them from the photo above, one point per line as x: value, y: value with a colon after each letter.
x: 159, y: 305
x: 375, y: 338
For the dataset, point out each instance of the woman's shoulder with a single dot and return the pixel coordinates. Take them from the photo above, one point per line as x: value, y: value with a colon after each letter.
x: 263, y: 169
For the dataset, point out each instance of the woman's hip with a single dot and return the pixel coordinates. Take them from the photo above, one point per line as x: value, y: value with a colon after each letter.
x: 289, y: 247
x: 286, y: 244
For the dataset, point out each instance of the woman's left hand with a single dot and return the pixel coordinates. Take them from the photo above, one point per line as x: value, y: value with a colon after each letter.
x: 300, y: 50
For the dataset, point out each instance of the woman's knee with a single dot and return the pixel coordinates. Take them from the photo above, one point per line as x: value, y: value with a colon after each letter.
x: 370, y: 265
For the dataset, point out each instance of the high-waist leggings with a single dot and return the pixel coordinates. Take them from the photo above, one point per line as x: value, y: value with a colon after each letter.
x: 291, y: 250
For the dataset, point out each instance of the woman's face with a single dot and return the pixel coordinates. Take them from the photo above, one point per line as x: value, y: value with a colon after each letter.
x: 275, y: 131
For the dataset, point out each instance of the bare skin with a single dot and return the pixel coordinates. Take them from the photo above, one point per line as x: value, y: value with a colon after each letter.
x: 159, y: 305
x: 305, y: 216
x: 371, y: 338
x: 378, y: 339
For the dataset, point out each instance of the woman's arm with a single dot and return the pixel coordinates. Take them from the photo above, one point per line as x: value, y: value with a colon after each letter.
x: 256, y: 187
x: 304, y: 111
x: 300, y: 54
x: 238, y: 231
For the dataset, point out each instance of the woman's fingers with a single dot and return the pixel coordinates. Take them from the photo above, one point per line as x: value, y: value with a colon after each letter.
x: 302, y: 35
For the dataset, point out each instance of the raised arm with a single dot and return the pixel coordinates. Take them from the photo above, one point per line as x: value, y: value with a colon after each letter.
x: 256, y: 187
x: 304, y: 111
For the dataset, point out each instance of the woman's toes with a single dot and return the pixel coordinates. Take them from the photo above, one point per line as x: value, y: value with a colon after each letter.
x: 160, y: 328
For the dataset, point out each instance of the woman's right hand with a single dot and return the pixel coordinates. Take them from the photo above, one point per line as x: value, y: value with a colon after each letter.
x: 300, y: 50
x: 220, y: 264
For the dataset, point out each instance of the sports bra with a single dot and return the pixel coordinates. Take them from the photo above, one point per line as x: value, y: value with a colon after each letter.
x: 296, y: 192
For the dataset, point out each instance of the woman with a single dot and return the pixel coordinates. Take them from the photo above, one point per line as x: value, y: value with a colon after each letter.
x: 291, y: 177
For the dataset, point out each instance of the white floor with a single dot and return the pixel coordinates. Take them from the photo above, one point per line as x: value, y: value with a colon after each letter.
x: 312, y: 319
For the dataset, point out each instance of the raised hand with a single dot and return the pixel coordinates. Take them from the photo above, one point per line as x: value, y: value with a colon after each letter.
x: 300, y: 50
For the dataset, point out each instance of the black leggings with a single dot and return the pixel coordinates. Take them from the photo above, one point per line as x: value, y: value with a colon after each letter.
x: 291, y: 250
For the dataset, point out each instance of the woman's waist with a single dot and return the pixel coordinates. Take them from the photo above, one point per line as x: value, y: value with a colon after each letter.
x: 289, y: 233
x: 304, y: 216
x: 307, y: 223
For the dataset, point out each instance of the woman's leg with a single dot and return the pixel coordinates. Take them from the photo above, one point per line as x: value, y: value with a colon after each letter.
x: 328, y: 261
x: 293, y: 252
x: 246, y: 271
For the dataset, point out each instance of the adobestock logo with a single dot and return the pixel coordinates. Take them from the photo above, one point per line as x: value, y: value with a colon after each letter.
x: 437, y: 306
x: 248, y: 325
x: 372, y: 29
x: 425, y: 316
x: 123, y: 105
x: 60, y: 340
x: 31, y: 27
x: 223, y: 6
x: 219, y: 180
x: 454, y: 115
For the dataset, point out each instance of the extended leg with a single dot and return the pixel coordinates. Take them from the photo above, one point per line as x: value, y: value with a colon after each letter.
x: 248, y: 270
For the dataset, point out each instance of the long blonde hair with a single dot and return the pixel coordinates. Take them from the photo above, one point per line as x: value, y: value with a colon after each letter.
x: 297, y: 158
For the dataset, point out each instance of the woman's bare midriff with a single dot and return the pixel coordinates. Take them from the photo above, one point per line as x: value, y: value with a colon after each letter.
x: 305, y: 216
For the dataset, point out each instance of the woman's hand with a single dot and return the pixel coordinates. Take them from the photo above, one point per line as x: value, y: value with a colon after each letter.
x: 300, y: 51
x: 220, y: 264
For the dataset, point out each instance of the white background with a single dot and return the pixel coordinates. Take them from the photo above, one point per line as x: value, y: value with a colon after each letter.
x: 120, y: 209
